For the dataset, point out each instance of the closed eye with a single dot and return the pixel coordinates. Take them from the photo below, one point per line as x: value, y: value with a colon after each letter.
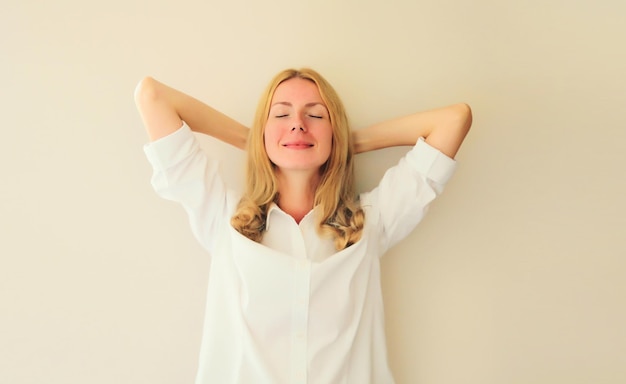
x: 316, y: 116
x: 278, y: 116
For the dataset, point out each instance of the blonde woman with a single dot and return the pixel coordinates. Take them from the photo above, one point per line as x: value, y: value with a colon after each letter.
x: 294, y: 290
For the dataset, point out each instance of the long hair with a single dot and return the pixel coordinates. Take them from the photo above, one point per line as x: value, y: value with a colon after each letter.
x: 338, y: 215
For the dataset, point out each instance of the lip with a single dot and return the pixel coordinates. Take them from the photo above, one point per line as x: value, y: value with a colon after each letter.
x: 297, y: 145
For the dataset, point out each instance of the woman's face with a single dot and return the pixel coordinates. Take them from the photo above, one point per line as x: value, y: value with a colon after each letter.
x: 298, y: 133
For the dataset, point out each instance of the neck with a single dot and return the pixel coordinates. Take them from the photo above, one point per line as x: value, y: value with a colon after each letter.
x: 296, y: 193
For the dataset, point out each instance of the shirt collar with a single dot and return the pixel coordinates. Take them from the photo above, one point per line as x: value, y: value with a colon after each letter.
x: 274, y: 209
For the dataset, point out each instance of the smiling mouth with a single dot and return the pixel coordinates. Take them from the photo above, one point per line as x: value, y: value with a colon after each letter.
x: 298, y: 145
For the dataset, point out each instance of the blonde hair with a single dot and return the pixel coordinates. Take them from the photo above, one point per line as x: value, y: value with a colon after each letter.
x: 338, y: 215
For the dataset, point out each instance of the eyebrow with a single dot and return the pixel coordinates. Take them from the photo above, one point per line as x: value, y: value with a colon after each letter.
x: 311, y: 104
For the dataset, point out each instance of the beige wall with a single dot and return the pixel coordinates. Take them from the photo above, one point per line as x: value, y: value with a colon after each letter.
x: 516, y: 276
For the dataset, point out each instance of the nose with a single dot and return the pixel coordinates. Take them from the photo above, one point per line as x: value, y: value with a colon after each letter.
x: 298, y: 124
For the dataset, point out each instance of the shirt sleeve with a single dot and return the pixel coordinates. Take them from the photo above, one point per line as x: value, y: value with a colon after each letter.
x: 402, y: 197
x: 183, y: 173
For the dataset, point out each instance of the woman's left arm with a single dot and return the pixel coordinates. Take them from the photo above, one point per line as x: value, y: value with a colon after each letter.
x: 442, y: 128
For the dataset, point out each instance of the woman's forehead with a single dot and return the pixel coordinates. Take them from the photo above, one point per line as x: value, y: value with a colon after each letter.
x: 297, y: 91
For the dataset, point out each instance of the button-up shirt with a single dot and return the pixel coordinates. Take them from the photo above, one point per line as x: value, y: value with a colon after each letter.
x: 292, y: 309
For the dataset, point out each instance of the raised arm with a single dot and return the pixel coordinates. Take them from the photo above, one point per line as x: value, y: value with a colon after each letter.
x: 443, y: 128
x: 163, y: 109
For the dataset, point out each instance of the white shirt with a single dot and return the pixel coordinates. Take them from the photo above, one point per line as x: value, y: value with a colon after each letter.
x: 292, y: 309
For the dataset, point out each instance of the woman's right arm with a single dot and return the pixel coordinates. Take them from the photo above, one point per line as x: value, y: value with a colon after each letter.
x: 163, y: 110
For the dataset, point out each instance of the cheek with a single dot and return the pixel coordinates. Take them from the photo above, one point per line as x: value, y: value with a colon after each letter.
x: 270, y: 133
x: 328, y: 138
x: 270, y: 138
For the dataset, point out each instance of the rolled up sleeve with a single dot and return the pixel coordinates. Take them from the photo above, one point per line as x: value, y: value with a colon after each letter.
x: 403, y: 196
x: 183, y: 173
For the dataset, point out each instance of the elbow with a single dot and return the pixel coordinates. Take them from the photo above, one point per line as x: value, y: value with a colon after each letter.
x: 146, y: 90
x: 460, y: 125
x: 462, y: 119
x: 464, y: 116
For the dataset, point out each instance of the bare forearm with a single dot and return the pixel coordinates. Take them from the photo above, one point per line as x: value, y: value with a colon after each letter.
x: 443, y: 128
x: 163, y: 109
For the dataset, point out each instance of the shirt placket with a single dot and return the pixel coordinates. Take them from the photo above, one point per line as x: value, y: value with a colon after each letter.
x: 300, y: 317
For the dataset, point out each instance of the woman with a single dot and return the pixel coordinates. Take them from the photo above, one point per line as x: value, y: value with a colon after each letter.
x: 294, y: 288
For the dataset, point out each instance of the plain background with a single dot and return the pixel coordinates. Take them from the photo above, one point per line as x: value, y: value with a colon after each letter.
x: 517, y: 275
